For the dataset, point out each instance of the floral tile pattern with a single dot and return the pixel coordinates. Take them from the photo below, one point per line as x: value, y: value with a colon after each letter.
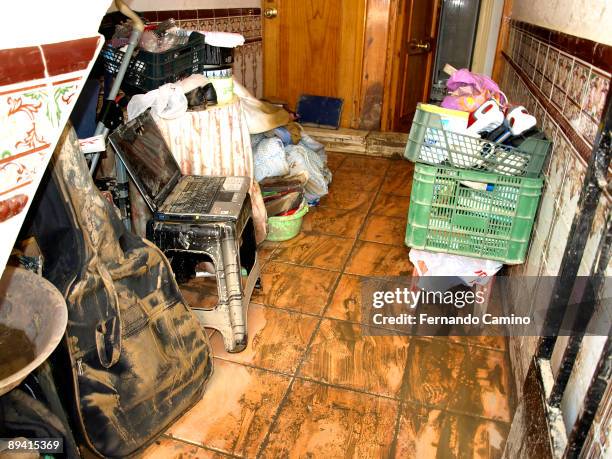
x: 576, y: 88
x: 35, y: 101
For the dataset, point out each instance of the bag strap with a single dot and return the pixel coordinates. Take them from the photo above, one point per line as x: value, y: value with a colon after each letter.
x: 108, y: 332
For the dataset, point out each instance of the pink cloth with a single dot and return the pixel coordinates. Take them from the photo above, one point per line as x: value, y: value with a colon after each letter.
x: 468, y: 91
x: 215, y: 141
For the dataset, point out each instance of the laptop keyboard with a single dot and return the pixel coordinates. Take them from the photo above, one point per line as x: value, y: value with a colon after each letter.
x: 197, y: 197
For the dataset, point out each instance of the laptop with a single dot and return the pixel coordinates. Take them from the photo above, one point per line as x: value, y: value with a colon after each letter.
x: 170, y: 195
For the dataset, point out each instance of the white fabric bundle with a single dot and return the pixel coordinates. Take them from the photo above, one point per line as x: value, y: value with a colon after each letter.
x: 302, y: 159
x: 269, y: 159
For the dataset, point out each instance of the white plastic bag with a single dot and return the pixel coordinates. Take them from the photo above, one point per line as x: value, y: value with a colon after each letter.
x: 471, y: 271
x: 269, y: 159
x: 167, y: 102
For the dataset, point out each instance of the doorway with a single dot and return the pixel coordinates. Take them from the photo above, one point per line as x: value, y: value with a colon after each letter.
x: 410, y: 61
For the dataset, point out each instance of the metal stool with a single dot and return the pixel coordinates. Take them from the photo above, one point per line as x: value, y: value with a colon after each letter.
x: 231, y: 246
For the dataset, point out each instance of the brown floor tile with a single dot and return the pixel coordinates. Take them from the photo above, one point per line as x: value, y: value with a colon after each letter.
x: 399, y: 167
x: 340, y: 354
x: 391, y: 205
x: 201, y: 292
x: 337, y: 222
x: 295, y: 287
x: 319, y: 421
x: 265, y: 249
x: 483, y: 387
x: 385, y: 230
x: 372, y: 259
x: 166, y: 448
x: 315, y: 250
x: 342, y: 198
x: 236, y: 411
x: 434, y: 366
x: 277, y: 339
x: 365, y: 165
x: 399, y: 184
x: 335, y: 160
x: 398, y: 180
x: 426, y: 432
x: 492, y: 342
x: 354, y: 180
x: 346, y: 303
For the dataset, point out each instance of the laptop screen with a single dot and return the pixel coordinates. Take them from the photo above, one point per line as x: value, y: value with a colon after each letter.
x: 146, y: 156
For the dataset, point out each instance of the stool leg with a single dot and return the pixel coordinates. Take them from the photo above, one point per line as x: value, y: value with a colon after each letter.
x: 231, y: 266
x: 220, y: 318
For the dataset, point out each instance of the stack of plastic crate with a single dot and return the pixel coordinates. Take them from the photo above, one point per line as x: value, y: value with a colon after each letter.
x: 148, y: 70
x: 470, y: 196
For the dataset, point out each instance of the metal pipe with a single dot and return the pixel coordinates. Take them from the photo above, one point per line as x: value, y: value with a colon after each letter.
x: 589, y: 302
x: 579, y: 232
x: 137, y: 29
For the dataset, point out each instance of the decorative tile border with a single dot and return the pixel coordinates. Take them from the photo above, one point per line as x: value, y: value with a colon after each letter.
x: 575, y: 89
x: 246, y: 21
x: 591, y: 52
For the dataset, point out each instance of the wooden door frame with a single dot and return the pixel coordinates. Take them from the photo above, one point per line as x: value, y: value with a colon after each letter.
x: 502, y: 39
x: 392, y: 74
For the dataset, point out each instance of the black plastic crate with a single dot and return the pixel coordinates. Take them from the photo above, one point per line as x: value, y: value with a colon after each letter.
x: 148, y: 71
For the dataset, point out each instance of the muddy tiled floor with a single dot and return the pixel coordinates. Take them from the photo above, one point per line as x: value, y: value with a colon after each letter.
x: 309, y: 384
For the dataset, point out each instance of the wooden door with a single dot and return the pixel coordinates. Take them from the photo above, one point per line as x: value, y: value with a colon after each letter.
x: 314, y: 47
x: 413, y: 60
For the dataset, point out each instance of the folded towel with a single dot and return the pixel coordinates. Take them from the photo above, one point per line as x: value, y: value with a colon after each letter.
x: 223, y: 39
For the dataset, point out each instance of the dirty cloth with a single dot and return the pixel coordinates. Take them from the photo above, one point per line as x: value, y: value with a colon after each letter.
x: 303, y: 159
x: 216, y: 141
x: 468, y: 91
x: 260, y: 116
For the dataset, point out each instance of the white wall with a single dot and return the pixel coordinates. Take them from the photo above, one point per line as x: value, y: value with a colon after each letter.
x: 590, y: 19
x: 163, y: 5
x: 32, y: 22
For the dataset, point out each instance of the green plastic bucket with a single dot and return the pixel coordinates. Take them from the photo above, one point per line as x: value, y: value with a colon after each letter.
x: 286, y: 227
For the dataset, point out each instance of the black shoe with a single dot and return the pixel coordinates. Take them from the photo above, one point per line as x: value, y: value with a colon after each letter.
x: 210, y: 94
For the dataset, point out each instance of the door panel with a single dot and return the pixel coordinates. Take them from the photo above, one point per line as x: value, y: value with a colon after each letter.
x: 315, y: 47
x: 415, y: 42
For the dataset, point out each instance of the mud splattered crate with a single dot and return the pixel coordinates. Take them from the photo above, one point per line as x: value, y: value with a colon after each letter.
x: 148, y: 71
x: 429, y: 143
x: 471, y: 213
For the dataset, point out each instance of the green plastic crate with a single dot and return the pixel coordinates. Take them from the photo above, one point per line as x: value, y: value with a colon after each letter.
x: 429, y: 143
x: 448, y: 216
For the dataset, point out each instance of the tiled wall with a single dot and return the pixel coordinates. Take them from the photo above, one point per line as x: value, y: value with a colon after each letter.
x: 566, y: 89
x: 37, y: 93
x: 248, y: 59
